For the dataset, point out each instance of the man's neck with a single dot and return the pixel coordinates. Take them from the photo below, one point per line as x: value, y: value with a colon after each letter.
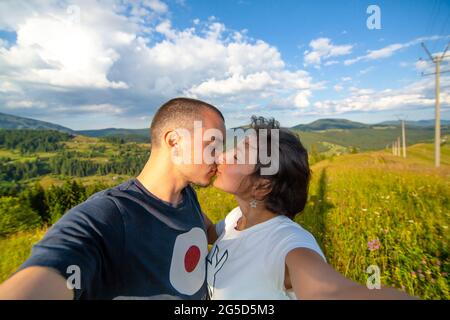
x: 159, y: 178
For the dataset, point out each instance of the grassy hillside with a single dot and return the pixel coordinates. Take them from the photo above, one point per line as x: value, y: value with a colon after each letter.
x: 367, y: 139
x: 356, y: 200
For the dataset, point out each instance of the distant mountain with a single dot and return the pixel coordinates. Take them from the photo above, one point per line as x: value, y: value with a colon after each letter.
x: 9, y: 121
x: 326, y: 124
x: 136, y: 135
x: 419, y: 123
x: 113, y: 132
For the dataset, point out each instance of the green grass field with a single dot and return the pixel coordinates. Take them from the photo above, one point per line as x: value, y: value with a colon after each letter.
x: 356, y: 200
x: 401, y: 206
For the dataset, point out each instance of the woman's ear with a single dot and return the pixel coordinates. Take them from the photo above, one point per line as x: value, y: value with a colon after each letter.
x: 262, y: 188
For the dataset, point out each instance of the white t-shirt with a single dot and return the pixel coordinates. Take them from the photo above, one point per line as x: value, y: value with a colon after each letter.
x: 250, y: 264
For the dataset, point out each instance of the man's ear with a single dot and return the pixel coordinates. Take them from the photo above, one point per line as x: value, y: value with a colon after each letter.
x: 262, y: 188
x: 171, y: 138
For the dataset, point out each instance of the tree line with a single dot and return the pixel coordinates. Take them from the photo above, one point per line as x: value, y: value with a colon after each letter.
x: 31, y: 141
x: 35, y: 206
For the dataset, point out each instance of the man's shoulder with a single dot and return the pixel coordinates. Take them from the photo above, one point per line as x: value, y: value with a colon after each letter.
x: 103, y: 205
x: 112, y: 192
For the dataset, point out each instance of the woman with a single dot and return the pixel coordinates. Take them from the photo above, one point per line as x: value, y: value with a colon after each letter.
x: 259, y: 252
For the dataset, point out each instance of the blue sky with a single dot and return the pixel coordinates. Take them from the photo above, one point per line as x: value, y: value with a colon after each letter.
x: 111, y: 63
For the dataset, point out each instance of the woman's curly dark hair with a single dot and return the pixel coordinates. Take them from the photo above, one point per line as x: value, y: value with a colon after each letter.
x: 289, y: 186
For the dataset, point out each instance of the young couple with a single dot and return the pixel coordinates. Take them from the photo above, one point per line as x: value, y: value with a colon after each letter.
x: 147, y: 238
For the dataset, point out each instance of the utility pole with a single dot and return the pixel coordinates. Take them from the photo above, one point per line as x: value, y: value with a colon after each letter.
x: 398, y: 146
x: 403, y: 139
x: 437, y: 126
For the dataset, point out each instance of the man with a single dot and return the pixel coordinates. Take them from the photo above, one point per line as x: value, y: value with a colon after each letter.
x: 142, y: 239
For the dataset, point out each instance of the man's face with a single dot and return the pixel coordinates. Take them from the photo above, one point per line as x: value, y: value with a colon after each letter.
x: 208, y: 135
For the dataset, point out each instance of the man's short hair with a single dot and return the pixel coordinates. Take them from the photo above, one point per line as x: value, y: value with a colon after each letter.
x: 178, y: 113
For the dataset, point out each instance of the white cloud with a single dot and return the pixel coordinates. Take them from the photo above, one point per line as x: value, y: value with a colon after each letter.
x: 331, y: 62
x: 389, y: 50
x: 156, y: 5
x: 418, y: 94
x: 322, y: 49
x: 25, y: 104
x: 233, y: 85
x: 52, y: 49
x: 366, y: 70
x: 422, y: 65
x: 120, y: 57
x: 7, y: 86
x: 101, y: 108
x: 338, y: 88
x: 301, y: 100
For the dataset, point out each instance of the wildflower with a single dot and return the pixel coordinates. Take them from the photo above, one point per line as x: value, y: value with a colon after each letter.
x: 373, y: 245
x: 413, y: 273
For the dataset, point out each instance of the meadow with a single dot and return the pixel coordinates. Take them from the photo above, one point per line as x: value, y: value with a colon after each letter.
x: 364, y: 209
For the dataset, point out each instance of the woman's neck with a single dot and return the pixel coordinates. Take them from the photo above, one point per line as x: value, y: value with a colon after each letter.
x: 252, y: 216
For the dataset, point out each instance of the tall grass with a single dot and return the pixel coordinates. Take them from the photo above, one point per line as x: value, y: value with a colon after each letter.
x: 404, y: 212
x: 15, y: 249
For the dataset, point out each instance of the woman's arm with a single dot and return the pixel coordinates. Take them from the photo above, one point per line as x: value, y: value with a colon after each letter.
x: 210, y: 229
x: 312, y: 278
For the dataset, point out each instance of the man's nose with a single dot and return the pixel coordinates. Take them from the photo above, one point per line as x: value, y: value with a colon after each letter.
x: 220, y: 159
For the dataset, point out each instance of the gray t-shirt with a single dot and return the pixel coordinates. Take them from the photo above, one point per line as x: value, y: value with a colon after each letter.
x: 124, y: 242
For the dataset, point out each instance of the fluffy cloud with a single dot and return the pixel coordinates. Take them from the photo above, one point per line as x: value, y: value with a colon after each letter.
x: 322, y: 49
x: 126, y: 58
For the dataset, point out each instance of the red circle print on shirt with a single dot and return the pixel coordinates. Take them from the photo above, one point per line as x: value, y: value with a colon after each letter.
x: 188, y: 265
x: 191, y: 258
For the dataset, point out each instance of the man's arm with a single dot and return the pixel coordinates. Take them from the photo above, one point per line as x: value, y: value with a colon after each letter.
x: 312, y: 278
x: 36, y: 283
x: 210, y: 229
x: 87, y: 237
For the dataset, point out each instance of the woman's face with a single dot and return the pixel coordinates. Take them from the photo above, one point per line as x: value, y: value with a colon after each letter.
x: 231, y: 174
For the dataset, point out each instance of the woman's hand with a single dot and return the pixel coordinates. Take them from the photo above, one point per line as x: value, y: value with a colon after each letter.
x: 312, y: 278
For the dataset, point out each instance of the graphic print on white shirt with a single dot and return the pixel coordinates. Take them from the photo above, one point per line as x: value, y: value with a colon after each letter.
x: 215, y: 263
x: 187, y: 269
x: 250, y: 264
